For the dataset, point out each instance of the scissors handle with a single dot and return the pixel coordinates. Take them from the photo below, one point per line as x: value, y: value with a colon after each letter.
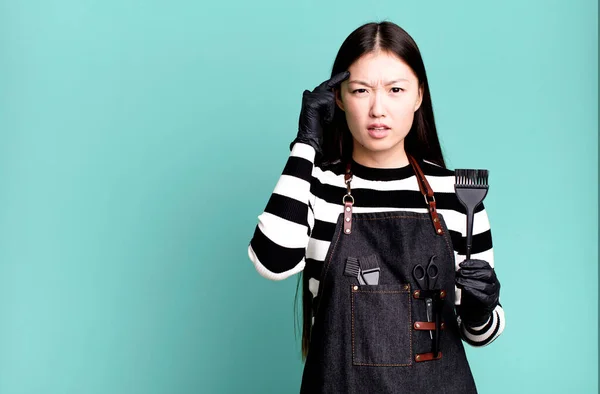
x: 426, y: 277
x: 419, y: 274
x: 432, y: 273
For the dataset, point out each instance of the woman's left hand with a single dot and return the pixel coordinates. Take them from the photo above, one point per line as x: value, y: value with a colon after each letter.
x: 480, y: 291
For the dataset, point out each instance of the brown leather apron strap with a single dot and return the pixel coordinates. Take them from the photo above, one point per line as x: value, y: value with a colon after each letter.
x: 348, y: 201
x: 427, y: 192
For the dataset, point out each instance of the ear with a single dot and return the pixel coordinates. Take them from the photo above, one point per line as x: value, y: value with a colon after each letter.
x: 338, y: 98
x: 419, y: 99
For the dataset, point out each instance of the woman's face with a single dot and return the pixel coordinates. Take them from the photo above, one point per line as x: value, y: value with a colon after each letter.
x: 379, y: 99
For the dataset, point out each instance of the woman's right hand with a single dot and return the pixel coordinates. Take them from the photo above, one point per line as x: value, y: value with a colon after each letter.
x: 317, y: 110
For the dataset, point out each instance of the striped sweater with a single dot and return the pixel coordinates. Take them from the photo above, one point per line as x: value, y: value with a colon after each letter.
x: 294, y: 232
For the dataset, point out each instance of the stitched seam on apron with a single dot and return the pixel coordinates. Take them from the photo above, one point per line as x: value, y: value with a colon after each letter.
x: 352, y: 328
x: 394, y: 217
x: 446, y: 236
x: 450, y: 249
x: 324, y: 274
x: 410, y: 328
x: 383, y: 365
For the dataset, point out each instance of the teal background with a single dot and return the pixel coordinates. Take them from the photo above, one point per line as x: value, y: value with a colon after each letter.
x: 141, y: 140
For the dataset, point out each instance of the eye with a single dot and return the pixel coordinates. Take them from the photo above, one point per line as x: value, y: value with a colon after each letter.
x: 397, y: 90
x: 359, y: 91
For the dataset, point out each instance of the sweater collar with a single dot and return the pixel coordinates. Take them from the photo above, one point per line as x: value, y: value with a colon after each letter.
x: 382, y: 174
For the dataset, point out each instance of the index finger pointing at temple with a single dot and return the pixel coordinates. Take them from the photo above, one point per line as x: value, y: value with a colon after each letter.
x: 337, y: 79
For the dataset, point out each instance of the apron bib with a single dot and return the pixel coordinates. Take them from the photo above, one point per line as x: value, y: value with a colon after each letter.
x: 382, y: 338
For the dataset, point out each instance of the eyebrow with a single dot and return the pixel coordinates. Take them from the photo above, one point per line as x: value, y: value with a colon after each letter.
x: 387, y: 83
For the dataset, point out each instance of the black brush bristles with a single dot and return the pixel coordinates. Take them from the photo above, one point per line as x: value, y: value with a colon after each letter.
x: 352, y: 269
x: 471, y: 178
x: 471, y: 187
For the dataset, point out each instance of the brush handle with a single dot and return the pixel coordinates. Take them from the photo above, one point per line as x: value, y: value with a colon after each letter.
x: 470, y: 215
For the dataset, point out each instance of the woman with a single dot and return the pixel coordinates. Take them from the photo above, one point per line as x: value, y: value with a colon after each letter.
x: 351, y: 213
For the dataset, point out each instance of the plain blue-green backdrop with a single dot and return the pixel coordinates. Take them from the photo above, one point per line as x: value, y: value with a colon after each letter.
x: 140, y: 140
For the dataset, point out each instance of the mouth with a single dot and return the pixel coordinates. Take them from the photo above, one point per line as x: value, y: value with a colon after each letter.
x: 378, y: 131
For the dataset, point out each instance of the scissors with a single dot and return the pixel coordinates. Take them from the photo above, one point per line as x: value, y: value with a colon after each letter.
x: 426, y: 279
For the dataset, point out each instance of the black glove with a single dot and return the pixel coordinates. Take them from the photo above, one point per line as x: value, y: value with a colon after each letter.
x: 480, y: 291
x: 317, y: 110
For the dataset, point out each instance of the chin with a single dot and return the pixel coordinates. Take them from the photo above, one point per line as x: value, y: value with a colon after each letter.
x: 381, y: 145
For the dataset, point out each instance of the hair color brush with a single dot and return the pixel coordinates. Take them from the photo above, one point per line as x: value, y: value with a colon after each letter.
x: 352, y: 269
x: 369, y: 269
x: 471, y: 187
x: 366, y: 270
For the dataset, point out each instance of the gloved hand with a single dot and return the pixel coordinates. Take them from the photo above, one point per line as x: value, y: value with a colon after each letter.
x: 480, y: 291
x: 317, y: 110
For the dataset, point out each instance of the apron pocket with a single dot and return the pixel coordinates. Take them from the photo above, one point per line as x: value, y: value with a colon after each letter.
x: 381, y: 325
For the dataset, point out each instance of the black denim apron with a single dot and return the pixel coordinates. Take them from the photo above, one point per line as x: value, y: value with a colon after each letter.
x: 376, y: 338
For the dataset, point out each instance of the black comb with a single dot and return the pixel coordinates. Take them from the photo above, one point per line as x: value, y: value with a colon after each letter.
x: 471, y: 187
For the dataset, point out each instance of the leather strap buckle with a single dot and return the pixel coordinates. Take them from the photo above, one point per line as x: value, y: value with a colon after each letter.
x: 427, y: 201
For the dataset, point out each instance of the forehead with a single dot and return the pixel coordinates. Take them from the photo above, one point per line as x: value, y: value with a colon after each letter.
x: 380, y: 65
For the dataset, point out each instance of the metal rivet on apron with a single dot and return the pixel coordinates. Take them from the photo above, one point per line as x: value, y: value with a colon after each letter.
x: 347, y: 230
x: 405, y: 287
x: 442, y: 325
x: 416, y: 294
x: 417, y: 357
x: 439, y: 230
x: 442, y: 294
x: 347, y: 219
x: 355, y: 287
x: 417, y: 325
x: 348, y: 209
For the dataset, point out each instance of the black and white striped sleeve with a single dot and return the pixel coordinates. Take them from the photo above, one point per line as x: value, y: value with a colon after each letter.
x: 281, y: 236
x: 482, y: 250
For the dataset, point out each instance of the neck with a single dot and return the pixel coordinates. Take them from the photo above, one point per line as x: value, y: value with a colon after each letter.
x: 392, y: 158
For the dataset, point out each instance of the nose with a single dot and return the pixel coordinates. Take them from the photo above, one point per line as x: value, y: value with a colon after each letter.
x: 377, y: 108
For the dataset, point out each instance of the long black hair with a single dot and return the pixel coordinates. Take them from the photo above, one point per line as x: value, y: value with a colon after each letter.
x: 421, y: 141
